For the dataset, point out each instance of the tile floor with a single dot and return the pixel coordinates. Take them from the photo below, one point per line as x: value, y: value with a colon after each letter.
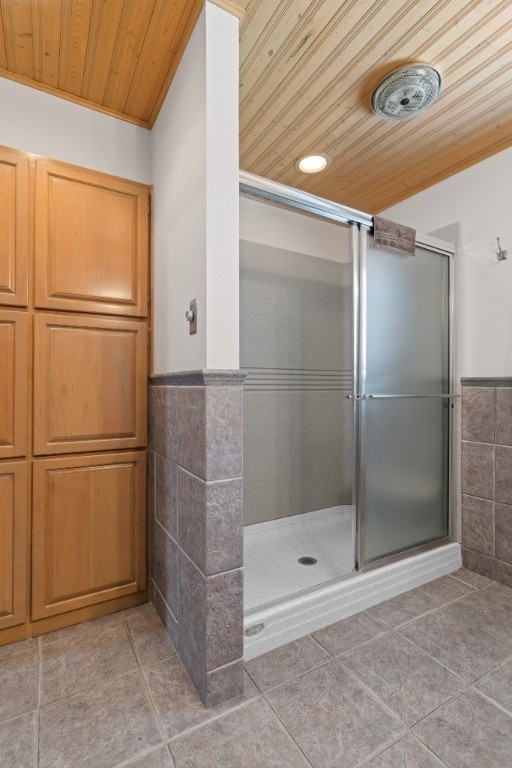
x: 421, y: 681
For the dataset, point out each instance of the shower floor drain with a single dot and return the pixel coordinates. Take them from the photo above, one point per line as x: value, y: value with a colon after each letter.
x: 307, y: 560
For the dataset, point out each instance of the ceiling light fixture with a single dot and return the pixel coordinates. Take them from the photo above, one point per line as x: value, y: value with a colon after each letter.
x: 406, y: 92
x: 312, y: 163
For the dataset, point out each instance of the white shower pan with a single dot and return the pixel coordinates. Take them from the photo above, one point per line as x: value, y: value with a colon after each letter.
x: 289, y: 618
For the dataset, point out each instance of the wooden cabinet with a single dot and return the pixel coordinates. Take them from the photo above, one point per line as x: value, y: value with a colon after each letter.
x: 13, y: 543
x: 91, y: 240
x: 74, y: 266
x: 13, y: 383
x: 90, y: 383
x: 88, y: 530
x: 14, y: 227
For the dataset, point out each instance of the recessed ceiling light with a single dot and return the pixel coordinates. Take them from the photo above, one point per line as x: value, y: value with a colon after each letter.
x: 312, y: 163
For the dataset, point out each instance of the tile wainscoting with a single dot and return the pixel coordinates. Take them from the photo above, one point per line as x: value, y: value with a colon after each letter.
x: 196, y: 523
x: 486, y: 514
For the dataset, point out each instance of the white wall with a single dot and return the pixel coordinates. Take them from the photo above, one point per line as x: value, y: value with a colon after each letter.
x: 270, y: 225
x: 480, y: 198
x: 195, y: 222
x: 34, y: 121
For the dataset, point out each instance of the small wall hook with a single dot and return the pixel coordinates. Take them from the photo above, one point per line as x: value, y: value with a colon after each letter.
x: 501, y: 254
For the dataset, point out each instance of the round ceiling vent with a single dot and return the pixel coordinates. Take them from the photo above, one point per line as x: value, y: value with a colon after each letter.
x: 406, y: 92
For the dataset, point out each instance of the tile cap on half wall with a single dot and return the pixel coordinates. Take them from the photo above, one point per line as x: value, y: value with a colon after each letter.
x: 200, y: 378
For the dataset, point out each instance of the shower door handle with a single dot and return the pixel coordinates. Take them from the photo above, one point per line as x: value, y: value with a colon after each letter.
x: 448, y: 395
x: 392, y: 397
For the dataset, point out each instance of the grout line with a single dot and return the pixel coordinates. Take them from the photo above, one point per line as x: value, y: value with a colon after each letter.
x: 385, y: 633
x: 241, y: 704
x: 36, y: 739
x: 285, y: 729
x: 153, y: 707
x: 317, y: 642
x: 297, y: 677
x: 139, y: 755
x: 374, y: 696
x: 491, y: 700
x: 440, y: 663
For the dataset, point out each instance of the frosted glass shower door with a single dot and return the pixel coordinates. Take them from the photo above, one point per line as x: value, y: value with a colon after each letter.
x: 404, y: 407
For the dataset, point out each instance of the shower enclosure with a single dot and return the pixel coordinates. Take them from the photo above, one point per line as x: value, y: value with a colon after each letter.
x: 348, y: 399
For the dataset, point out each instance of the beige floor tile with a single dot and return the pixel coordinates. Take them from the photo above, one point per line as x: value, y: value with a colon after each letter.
x: 177, y: 704
x: 249, y: 737
x: 333, y: 718
x: 487, y: 614
x: 498, y: 686
x: 85, y: 626
x: 159, y: 758
x: 97, y: 728
x: 470, y: 577
x: 500, y: 592
x: 136, y: 610
x: 19, y: 681
x: 284, y: 663
x: 18, y: 744
x: 409, y: 752
x: 349, y: 633
x: 407, y: 681
x: 418, y: 601
x: 469, y: 732
x: 84, y: 661
x: 22, y: 645
x: 150, y: 639
x: 460, y: 647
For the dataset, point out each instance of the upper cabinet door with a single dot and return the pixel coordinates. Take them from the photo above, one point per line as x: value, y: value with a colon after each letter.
x: 13, y: 228
x: 90, y: 383
x: 91, y: 241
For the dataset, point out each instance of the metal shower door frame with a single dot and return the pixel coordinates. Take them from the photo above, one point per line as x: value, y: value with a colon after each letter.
x: 359, y: 396
x: 360, y: 224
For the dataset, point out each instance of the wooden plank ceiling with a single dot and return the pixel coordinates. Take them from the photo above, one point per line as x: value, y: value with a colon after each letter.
x: 307, y: 71
x: 118, y: 56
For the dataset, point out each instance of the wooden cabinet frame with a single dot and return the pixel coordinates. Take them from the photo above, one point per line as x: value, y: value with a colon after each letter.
x: 14, y: 382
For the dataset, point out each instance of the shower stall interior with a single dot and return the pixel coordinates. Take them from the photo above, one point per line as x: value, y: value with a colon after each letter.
x: 348, y: 399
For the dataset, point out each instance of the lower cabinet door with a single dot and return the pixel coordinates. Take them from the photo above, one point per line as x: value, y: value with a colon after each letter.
x: 89, y: 522
x: 13, y: 543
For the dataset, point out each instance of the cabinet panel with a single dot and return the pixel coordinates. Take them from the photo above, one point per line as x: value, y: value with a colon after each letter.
x: 13, y: 543
x: 13, y: 383
x: 88, y: 530
x: 91, y: 241
x: 90, y: 383
x: 13, y: 227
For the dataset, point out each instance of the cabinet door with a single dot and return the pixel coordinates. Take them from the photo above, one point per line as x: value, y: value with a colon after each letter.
x: 90, y: 384
x: 13, y: 227
x: 13, y: 383
x: 88, y: 530
x: 13, y: 543
x: 91, y: 241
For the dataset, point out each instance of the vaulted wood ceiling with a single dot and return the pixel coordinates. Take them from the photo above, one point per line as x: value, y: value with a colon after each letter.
x: 307, y: 71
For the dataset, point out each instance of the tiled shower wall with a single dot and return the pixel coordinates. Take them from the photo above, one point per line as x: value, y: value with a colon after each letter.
x: 196, y: 523
x: 486, y: 516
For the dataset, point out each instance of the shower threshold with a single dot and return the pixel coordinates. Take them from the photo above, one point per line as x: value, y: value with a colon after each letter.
x: 296, y: 615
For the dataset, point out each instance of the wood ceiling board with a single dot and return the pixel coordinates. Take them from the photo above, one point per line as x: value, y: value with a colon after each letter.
x: 106, y: 16
x: 129, y: 44
x: 116, y: 56
x: 49, y: 18
x: 322, y: 104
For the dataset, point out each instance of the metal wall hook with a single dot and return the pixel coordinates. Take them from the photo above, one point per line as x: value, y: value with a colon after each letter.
x: 501, y: 254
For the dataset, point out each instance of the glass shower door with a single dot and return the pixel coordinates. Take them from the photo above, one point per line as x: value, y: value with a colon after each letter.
x: 404, y: 403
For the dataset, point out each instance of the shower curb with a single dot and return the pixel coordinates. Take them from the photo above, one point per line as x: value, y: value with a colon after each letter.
x: 289, y: 619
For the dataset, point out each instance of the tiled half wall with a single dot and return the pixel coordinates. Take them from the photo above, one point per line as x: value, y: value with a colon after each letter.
x: 196, y: 523
x: 486, y: 514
